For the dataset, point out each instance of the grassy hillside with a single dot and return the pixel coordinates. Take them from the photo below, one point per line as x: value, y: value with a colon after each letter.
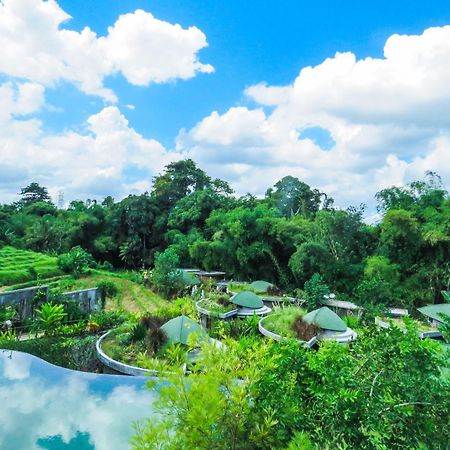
x: 133, y: 297
x: 17, y: 266
x: 15, y: 274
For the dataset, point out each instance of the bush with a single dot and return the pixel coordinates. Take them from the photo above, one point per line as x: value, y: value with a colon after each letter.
x: 77, y: 261
x: 107, y: 320
x: 108, y: 289
x: 50, y: 317
x: 314, y: 290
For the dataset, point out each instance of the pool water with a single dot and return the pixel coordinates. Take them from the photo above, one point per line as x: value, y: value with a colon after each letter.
x: 47, y: 407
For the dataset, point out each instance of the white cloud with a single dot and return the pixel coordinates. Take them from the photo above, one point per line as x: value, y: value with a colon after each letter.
x: 389, y: 118
x: 36, y: 47
x: 89, y: 164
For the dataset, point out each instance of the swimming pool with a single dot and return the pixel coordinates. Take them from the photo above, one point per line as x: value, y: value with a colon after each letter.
x: 45, y: 407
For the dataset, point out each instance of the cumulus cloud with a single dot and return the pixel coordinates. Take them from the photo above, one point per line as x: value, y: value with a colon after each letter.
x: 83, y: 164
x: 37, y: 47
x: 389, y: 118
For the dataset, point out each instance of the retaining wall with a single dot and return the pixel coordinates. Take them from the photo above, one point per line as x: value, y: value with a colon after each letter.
x: 88, y: 299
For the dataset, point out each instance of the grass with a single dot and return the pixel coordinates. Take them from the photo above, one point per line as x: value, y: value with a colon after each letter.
x: 281, y: 321
x: 217, y: 308
x: 16, y: 266
x: 237, y: 287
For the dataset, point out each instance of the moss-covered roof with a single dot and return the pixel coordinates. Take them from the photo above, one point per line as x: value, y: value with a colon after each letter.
x: 326, y: 319
x: 434, y: 311
x: 247, y: 299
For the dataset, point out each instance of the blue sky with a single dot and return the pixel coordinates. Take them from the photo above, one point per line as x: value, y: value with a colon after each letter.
x: 224, y: 119
x: 249, y: 42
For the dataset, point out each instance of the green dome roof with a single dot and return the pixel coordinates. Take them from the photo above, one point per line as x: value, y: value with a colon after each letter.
x: 260, y: 286
x: 247, y: 299
x: 190, y: 278
x: 435, y: 311
x: 180, y: 328
x: 326, y: 319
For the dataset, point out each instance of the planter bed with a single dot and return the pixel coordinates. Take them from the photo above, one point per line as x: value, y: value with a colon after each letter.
x: 264, y: 331
x: 202, y: 309
x: 118, y: 366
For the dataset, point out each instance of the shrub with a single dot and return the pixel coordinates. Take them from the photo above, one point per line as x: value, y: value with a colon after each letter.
x: 108, y: 319
x: 108, y: 289
x: 304, y: 331
x: 315, y: 289
x: 77, y: 261
x: 165, y: 277
x: 155, y: 339
x: 138, y: 333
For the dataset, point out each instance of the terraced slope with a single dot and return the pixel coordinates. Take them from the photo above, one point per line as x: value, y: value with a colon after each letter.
x: 17, y: 266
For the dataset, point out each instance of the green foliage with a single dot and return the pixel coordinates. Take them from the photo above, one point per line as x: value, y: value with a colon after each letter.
x: 108, y: 289
x: 18, y: 266
x: 70, y: 352
x: 77, y: 261
x: 50, y: 317
x: 315, y: 289
x: 285, y: 238
x: 34, y: 193
x: 109, y: 319
x: 166, y: 277
x: 138, y: 332
x: 383, y: 392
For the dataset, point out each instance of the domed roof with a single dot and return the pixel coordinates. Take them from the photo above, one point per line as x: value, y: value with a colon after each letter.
x: 247, y: 299
x: 180, y: 328
x: 326, y: 319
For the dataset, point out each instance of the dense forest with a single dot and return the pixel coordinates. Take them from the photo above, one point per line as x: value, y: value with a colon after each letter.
x: 292, y: 235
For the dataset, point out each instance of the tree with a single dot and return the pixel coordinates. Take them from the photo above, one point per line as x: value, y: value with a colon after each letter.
x: 291, y: 196
x: 33, y: 193
x: 166, y: 276
x: 180, y: 178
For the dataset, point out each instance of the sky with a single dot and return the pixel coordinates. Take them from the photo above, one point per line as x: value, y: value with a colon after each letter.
x: 97, y: 97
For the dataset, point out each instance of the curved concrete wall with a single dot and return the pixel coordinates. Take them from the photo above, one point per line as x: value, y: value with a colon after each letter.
x: 277, y: 337
x: 118, y: 366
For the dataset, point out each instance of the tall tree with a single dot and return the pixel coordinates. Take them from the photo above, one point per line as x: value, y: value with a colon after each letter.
x: 33, y: 193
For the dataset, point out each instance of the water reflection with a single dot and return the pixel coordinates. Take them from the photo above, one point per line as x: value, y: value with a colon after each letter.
x: 46, y: 407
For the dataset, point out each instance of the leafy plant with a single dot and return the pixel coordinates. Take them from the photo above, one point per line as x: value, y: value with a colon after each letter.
x: 138, y: 333
x: 50, y: 317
